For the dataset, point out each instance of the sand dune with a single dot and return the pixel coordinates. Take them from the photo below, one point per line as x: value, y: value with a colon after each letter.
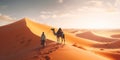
x: 107, y: 32
x: 72, y: 53
x: 112, y: 45
x: 115, y: 36
x: 92, y: 36
x: 16, y: 39
x: 107, y: 49
x: 21, y: 41
x: 112, y: 56
x: 71, y: 30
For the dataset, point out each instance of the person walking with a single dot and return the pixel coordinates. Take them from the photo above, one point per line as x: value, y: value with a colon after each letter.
x: 43, y: 40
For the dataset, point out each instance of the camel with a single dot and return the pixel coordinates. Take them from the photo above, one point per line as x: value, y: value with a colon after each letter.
x: 59, y: 34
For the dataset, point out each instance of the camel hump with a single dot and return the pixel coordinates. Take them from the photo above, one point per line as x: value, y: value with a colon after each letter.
x: 59, y: 31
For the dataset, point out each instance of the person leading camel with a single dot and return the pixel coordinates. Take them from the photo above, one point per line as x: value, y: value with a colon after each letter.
x: 43, y: 39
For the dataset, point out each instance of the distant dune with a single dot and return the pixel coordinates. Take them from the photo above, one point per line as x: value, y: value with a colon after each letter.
x: 113, y: 56
x: 92, y: 36
x: 71, y: 30
x: 111, y: 45
x: 21, y: 41
x: 116, y: 36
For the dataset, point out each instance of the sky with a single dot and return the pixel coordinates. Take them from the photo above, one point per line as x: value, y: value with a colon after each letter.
x: 89, y: 14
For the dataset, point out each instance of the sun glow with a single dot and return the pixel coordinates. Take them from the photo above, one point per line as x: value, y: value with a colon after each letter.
x: 98, y: 21
x: 98, y: 25
x: 103, y: 20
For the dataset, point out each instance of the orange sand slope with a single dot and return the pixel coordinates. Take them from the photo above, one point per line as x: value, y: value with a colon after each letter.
x: 19, y: 40
x: 116, y: 36
x: 73, y: 53
x: 107, y: 49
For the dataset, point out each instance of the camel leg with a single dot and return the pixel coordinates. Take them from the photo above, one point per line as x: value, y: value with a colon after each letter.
x: 61, y: 40
x: 57, y: 39
x: 64, y: 40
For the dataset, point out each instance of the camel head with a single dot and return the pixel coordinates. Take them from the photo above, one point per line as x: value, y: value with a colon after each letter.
x: 52, y: 28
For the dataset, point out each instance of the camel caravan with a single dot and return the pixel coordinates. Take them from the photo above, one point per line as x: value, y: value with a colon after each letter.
x: 59, y: 35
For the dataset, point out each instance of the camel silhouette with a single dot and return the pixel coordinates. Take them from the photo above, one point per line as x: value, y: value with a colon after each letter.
x: 59, y: 34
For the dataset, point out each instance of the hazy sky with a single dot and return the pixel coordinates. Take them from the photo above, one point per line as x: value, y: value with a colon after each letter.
x: 65, y: 13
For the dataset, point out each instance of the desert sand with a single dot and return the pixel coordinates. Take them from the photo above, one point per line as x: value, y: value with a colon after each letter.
x: 90, y: 35
x: 21, y: 41
x: 109, y: 46
x: 116, y: 36
x: 72, y: 53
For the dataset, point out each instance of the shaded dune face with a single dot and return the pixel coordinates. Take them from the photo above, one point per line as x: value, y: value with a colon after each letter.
x: 91, y: 36
x: 112, y: 56
x: 111, y: 45
x: 15, y: 38
x: 115, y: 36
